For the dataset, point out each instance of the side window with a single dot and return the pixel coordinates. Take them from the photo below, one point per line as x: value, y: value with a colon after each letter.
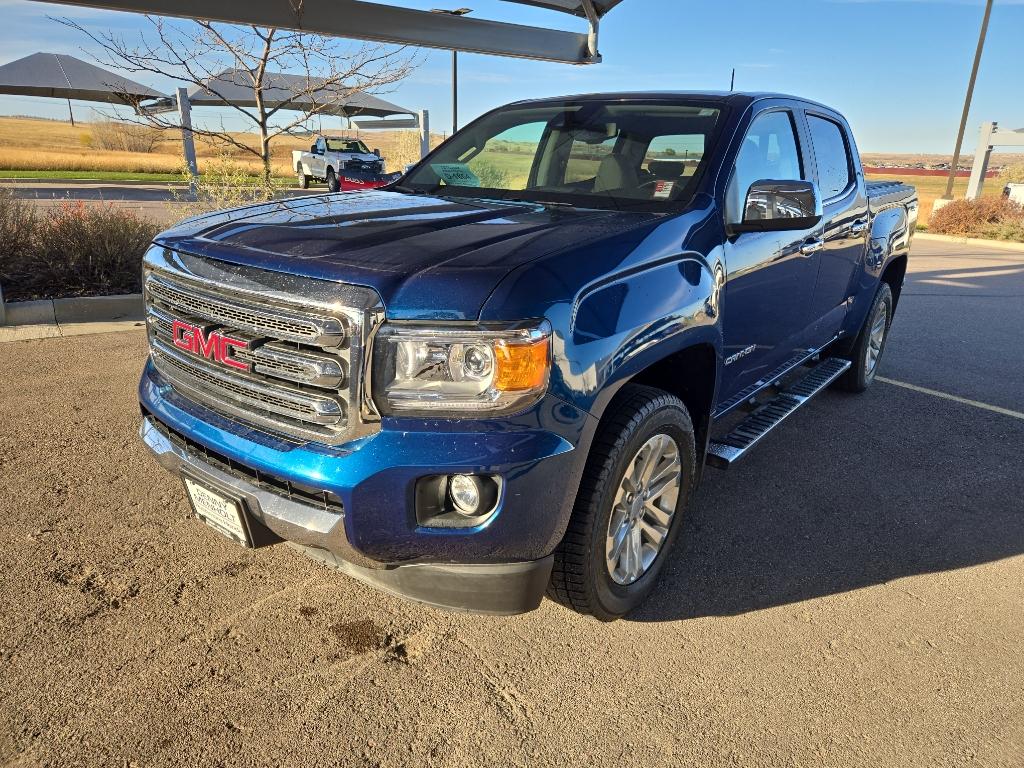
x: 769, y: 151
x: 506, y: 159
x: 831, y: 156
x: 321, y: 145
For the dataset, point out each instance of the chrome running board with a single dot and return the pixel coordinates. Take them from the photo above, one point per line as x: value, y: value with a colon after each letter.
x: 745, y: 435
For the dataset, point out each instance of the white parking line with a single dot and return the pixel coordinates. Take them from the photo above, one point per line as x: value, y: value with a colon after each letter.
x: 954, y: 398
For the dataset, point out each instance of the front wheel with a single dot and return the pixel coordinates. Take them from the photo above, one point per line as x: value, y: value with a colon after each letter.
x: 332, y: 180
x: 867, y: 350
x: 628, y: 511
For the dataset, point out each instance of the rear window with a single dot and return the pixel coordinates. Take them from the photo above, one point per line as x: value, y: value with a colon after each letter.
x: 674, y: 156
x: 346, y: 145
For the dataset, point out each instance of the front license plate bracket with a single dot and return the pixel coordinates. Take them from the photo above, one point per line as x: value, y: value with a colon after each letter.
x: 223, y: 512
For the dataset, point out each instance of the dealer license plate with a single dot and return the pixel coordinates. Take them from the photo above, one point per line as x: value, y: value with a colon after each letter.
x: 220, y: 512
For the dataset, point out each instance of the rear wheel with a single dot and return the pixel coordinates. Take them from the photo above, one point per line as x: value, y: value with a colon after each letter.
x: 866, y: 353
x: 332, y: 180
x: 303, y: 178
x: 627, y: 514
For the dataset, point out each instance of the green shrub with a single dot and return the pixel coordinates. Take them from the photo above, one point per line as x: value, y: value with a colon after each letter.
x: 490, y: 175
x: 17, y: 226
x: 224, y: 183
x: 988, y: 217
x: 73, y: 249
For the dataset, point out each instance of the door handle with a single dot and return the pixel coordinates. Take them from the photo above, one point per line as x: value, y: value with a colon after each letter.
x: 858, y: 227
x: 811, y: 246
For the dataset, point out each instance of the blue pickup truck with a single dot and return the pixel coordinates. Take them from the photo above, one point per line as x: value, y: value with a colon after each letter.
x: 503, y: 375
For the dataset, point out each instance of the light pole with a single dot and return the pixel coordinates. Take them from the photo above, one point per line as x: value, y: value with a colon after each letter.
x: 967, y: 102
x: 455, y: 67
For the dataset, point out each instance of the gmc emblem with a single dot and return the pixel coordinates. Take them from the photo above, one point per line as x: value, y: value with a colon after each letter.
x: 213, y: 346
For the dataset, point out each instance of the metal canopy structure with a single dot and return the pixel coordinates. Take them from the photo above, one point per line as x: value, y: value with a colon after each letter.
x: 990, y: 137
x: 393, y: 24
x: 55, y: 75
x: 234, y: 87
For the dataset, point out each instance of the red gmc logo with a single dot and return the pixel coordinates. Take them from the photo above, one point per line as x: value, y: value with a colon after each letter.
x: 214, y: 346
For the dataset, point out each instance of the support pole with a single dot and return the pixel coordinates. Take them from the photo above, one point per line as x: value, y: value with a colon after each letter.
x: 424, y: 133
x: 71, y: 114
x: 188, y: 144
x: 967, y: 102
x: 982, y: 155
x: 455, y: 91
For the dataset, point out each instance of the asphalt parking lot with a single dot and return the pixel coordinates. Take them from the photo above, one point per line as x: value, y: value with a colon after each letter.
x: 852, y: 594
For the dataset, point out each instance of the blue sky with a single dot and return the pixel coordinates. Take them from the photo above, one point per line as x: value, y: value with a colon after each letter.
x: 897, y: 68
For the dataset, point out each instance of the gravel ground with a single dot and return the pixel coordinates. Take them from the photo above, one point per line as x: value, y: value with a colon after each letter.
x: 850, y: 595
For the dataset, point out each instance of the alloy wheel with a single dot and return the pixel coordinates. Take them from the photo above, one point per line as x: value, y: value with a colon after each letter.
x: 876, y: 339
x: 642, y: 511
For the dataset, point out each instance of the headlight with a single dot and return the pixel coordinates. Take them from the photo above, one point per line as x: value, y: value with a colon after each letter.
x: 459, y: 370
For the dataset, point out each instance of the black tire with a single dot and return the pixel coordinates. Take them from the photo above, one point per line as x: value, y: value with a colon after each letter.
x: 581, y: 578
x: 332, y: 180
x: 303, y: 178
x: 860, y: 375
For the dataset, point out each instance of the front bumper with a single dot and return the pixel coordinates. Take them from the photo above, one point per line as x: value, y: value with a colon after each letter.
x: 500, y: 567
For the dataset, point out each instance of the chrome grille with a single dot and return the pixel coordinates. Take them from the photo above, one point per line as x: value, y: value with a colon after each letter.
x: 191, y: 301
x: 305, y: 406
x: 304, y: 341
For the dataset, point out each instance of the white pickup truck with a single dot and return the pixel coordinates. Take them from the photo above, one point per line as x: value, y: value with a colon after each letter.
x: 341, y: 162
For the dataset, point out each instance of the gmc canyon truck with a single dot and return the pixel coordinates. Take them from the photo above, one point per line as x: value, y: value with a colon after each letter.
x: 503, y: 375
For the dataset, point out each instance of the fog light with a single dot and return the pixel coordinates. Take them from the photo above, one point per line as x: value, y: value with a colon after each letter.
x: 465, y: 491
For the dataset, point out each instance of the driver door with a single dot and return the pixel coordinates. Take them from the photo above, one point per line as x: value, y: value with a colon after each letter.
x: 318, y: 163
x: 770, y: 276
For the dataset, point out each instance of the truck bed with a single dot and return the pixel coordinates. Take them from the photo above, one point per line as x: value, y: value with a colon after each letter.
x: 883, y: 194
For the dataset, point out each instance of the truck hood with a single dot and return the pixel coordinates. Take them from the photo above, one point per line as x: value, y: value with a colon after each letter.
x: 427, y: 257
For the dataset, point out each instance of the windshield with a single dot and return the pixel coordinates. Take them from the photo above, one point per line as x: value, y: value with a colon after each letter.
x: 637, y: 155
x: 347, y: 145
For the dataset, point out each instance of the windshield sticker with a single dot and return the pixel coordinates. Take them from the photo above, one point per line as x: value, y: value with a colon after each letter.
x: 456, y: 174
x: 663, y: 189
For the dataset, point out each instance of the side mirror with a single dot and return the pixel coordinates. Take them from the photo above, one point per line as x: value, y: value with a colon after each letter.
x: 774, y: 206
x: 376, y: 152
x: 312, y: 148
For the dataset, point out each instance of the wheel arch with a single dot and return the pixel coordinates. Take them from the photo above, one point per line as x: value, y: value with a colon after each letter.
x: 893, y: 274
x: 691, y: 374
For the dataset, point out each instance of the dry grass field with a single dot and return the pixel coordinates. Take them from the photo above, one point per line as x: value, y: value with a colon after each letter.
x: 50, y: 145
x: 930, y: 188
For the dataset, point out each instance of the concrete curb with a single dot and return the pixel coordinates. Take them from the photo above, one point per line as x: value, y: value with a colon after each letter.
x: 11, y: 333
x: 93, y: 309
x: 30, y: 313
x: 91, y: 182
x: 976, y: 241
x: 71, y: 317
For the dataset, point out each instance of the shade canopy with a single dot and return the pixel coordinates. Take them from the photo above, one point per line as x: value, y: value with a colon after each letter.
x: 307, y: 94
x: 575, y: 7
x: 56, y: 75
x: 386, y: 23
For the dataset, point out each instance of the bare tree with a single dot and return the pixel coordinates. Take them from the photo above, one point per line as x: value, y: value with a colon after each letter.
x: 220, y: 57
